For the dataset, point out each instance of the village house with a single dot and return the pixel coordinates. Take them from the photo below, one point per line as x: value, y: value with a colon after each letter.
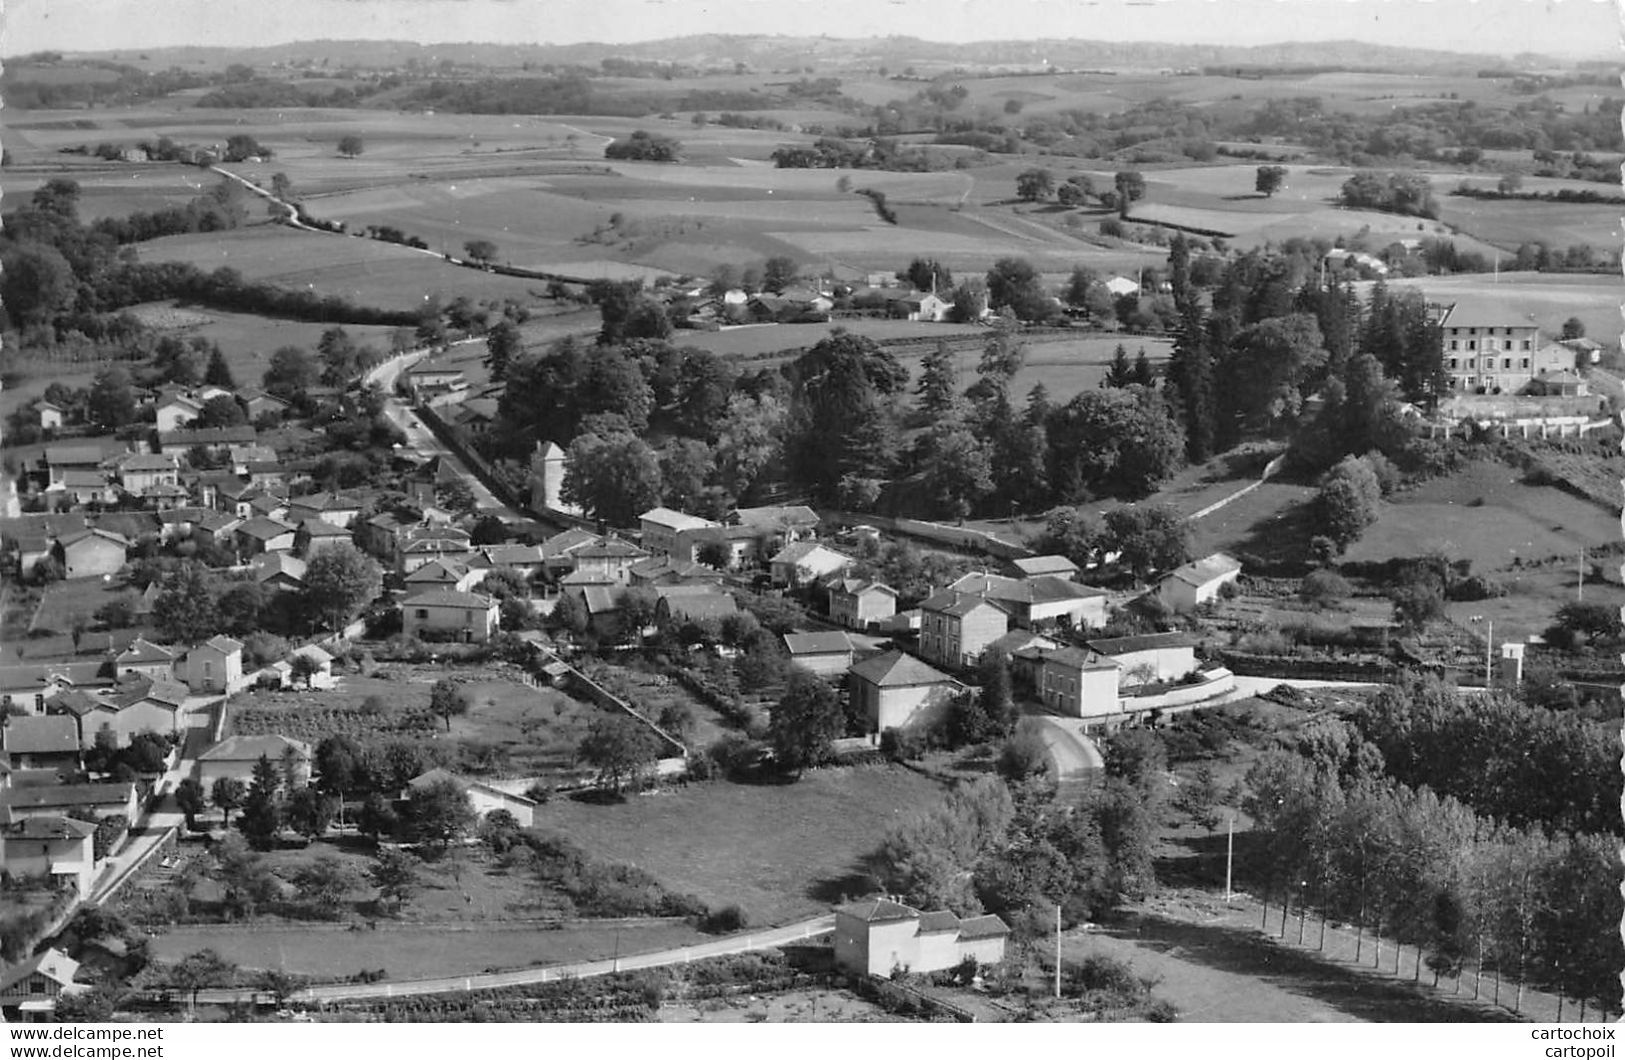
x: 320, y: 663
x: 609, y: 557
x: 482, y: 797
x: 29, y: 989
x: 805, y: 562
x: 692, y: 603
x: 176, y: 411
x: 879, y: 937
x: 955, y: 627
x: 59, y: 849
x: 926, y: 306
x: 827, y: 654
x: 526, y: 559
x: 671, y: 533
x: 215, y: 440
x: 664, y: 570
x: 450, y: 615
x: 34, y: 536
x: 898, y: 691
x: 1024, y: 648
x: 444, y: 574
x: 1150, y: 657
x: 139, y: 705
x: 86, y: 487
x: 236, y: 757
x: 547, y: 467
x: 27, y: 686
x: 92, y: 553
x: 1039, y: 602
x: 332, y: 508
x: 279, y: 572
x: 257, y: 403
x: 558, y: 550
x: 1197, y: 582
x: 861, y: 604
x: 22, y: 803
x: 424, y: 544
x: 205, y: 524
x: 51, y: 416
x: 61, y: 459
x: 42, y: 741
x: 143, y: 658
x: 216, y: 665
x: 1078, y: 683
x: 262, y: 534
x: 778, y: 525
x: 314, y: 535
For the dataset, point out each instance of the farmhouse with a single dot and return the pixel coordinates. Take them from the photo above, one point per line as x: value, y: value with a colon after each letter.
x: 50, y: 415
x: 61, y: 459
x: 257, y: 403
x: 927, y: 306
x: 314, y: 535
x: 1150, y: 657
x: 482, y: 797
x: 141, y: 705
x: 58, y: 849
x: 878, y: 937
x: 450, y: 615
x: 332, y: 508
x: 955, y: 627
x: 609, y: 557
x: 29, y: 990
x: 443, y: 574
x: 28, y: 686
x: 216, y: 665
x: 664, y: 570
x: 86, y: 487
x: 804, y: 562
x: 860, y: 604
x: 279, y: 571
x: 1198, y: 582
x: 236, y: 757
x: 320, y: 662
x: 526, y: 559
x: 898, y: 691
x: 420, y: 545
x: 785, y: 523
x: 692, y: 603
x: 1039, y: 602
x: 825, y: 654
x: 261, y: 534
x: 139, y: 472
x: 175, y: 411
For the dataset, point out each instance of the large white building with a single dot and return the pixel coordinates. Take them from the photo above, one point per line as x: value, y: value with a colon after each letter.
x: 1496, y: 351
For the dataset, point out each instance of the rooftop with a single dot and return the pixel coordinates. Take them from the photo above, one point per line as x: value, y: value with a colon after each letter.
x: 897, y: 670
x: 41, y: 734
x: 675, y: 520
x: 822, y: 643
x: 450, y: 598
x: 1143, y: 642
x: 252, y: 748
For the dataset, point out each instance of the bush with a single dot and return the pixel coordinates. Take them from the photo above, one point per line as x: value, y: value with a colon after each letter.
x: 725, y: 921
x: 1325, y: 586
x: 1476, y: 587
x: 1024, y: 754
x: 903, y: 745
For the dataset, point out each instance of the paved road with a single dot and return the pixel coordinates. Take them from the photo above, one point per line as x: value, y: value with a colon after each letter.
x: 744, y: 943
x: 1072, y: 754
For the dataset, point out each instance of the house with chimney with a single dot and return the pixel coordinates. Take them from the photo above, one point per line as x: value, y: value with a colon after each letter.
x: 898, y: 691
x: 956, y: 627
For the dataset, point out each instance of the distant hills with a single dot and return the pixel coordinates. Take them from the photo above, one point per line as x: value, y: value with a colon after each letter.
x: 895, y: 53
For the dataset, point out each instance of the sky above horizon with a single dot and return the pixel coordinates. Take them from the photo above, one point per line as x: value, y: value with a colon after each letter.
x: 1583, y: 28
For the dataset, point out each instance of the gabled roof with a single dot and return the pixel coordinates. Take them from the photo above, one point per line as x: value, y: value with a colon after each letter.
x: 268, y: 565
x: 589, y: 577
x: 95, y: 533
x: 700, y: 605
x: 84, y: 479
x: 958, y: 604
x: 34, y: 531
x: 439, y: 776
x: 877, y: 910
x: 1209, y: 568
x: 438, y: 572
x: 662, y: 566
x: 1021, y: 640
x: 326, y: 502
x: 35, y: 676
x: 65, y: 455
x: 251, y: 748
x: 208, y: 436
x: 165, y: 693
x: 797, y: 551
x: 53, y: 964
x: 602, y: 599
x: 49, y: 827
x: 51, y: 796
x: 1079, y: 659
x: 611, y: 548
x: 821, y: 643
x: 512, y: 555
x: 897, y: 670
x: 1143, y: 642
x: 147, y: 462
x: 938, y: 923
x: 567, y: 542
x: 675, y: 520
x: 860, y: 586
x: 78, y: 703
x: 142, y: 650
x: 450, y: 598
x: 222, y: 644
x: 983, y: 927
x: 312, y: 651
x: 1044, y: 589
x: 41, y: 734
x: 262, y: 528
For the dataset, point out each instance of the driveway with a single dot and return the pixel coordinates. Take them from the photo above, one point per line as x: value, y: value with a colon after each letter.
x: 1073, y: 755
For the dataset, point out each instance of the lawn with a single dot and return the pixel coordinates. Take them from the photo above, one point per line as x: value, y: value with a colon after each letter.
x: 781, y: 851
x: 67, y: 601
x: 1547, y: 298
x: 533, y: 731
x: 1508, y: 223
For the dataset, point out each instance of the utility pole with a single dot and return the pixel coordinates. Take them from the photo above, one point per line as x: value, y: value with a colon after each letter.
x: 1580, y: 586
x: 1229, y: 856
x: 1489, y: 653
x: 1057, y: 952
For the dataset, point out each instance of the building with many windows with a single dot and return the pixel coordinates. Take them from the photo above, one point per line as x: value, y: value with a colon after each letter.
x: 1493, y: 351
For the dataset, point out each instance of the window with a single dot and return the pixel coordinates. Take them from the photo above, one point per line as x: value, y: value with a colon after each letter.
x: 1455, y: 344
x: 1472, y: 344
x: 1506, y: 362
x: 1453, y: 362
x: 422, y: 612
x: 1526, y: 344
x: 1525, y: 362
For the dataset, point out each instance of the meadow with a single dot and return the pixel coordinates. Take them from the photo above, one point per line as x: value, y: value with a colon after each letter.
x: 1546, y: 298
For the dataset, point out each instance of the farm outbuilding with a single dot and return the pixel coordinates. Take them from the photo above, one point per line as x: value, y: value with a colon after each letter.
x: 878, y: 936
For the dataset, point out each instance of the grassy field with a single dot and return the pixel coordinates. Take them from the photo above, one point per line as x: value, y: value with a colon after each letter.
x: 364, y: 271
x: 780, y: 851
x: 65, y: 601
x: 1547, y: 298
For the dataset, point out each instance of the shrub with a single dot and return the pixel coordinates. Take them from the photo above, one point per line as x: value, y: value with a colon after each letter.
x: 724, y: 921
x: 1476, y: 587
x: 1325, y: 586
x: 903, y: 745
x: 1024, y: 754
